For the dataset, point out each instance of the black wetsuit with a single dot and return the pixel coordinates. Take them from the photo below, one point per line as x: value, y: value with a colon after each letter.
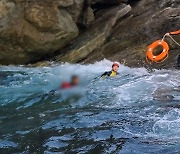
x: 110, y: 73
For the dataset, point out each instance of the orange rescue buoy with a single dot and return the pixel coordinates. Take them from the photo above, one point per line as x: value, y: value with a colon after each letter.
x: 162, y: 56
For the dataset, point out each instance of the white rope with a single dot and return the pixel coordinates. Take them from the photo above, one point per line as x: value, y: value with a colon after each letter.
x: 174, y: 40
x: 171, y: 39
x: 163, y: 37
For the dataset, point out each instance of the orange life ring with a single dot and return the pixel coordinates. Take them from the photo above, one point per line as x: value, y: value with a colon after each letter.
x: 162, y: 56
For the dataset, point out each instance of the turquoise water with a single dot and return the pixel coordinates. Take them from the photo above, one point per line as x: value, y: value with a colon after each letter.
x: 136, y: 112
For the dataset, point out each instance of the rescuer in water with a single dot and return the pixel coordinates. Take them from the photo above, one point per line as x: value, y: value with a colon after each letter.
x: 113, y: 72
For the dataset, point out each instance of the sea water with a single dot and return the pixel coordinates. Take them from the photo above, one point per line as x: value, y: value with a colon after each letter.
x: 136, y: 112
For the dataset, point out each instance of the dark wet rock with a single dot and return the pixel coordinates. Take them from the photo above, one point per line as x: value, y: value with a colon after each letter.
x: 109, y: 2
x: 88, y: 17
x: 147, y: 22
x: 86, y: 30
x: 177, y: 65
x: 41, y: 64
x: 94, y: 37
x: 30, y: 30
x: 76, y: 10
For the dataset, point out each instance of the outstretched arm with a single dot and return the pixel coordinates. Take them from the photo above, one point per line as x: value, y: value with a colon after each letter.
x: 104, y: 74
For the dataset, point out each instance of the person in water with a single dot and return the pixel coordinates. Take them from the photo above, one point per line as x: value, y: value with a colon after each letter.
x: 74, y: 82
x: 113, y: 72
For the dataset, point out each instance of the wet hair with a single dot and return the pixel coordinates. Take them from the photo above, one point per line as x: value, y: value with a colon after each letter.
x: 74, y: 77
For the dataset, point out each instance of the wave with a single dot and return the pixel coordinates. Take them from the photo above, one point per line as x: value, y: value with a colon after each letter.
x: 136, y: 104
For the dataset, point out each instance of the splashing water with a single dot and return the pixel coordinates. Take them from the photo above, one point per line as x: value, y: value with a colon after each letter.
x: 136, y: 112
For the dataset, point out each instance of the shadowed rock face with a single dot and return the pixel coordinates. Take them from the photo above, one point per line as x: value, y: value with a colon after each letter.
x: 86, y: 30
x: 95, y: 37
x: 147, y: 22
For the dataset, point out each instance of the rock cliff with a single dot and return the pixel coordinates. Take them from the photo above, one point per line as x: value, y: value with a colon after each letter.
x: 86, y: 30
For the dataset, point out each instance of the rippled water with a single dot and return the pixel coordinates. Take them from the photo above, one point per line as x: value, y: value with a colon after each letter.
x: 136, y: 112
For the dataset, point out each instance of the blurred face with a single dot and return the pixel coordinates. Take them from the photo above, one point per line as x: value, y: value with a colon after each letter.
x: 75, y: 81
x: 115, y: 68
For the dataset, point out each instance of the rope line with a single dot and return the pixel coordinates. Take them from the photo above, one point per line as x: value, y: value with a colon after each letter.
x: 163, y: 37
x: 171, y: 39
x: 174, y: 40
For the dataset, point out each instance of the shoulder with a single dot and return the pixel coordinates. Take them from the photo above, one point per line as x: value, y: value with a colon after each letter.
x: 65, y: 85
x: 106, y: 73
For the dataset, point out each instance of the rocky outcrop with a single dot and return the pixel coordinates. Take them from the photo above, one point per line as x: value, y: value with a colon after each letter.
x: 147, y: 22
x: 86, y: 30
x: 32, y: 29
x: 94, y: 37
x: 128, y: 41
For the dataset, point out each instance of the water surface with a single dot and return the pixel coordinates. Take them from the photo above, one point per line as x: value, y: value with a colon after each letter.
x: 136, y: 112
